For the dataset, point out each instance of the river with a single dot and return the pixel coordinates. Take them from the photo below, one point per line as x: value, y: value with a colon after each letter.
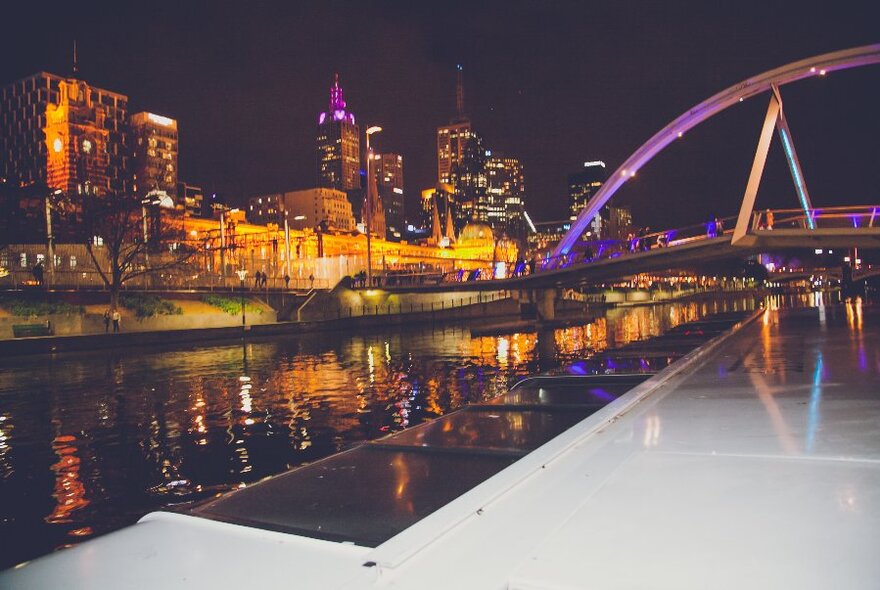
x: 90, y: 442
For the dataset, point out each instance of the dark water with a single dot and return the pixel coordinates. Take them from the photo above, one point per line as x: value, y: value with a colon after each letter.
x: 91, y: 442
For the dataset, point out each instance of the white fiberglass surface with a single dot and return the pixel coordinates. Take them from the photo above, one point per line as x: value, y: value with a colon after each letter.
x: 760, y: 470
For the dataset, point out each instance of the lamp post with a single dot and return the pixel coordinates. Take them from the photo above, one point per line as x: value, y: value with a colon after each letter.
x: 242, y: 273
x: 368, y: 218
x: 50, y: 237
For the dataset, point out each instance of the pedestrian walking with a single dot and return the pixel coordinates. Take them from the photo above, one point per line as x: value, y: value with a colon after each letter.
x: 257, y: 276
x: 311, y: 281
x: 286, y: 281
x: 106, y: 320
x: 116, y: 316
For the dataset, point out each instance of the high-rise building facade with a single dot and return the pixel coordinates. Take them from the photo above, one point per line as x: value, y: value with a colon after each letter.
x: 582, y: 186
x: 65, y: 134
x: 470, y: 182
x: 154, y: 154
x: 505, y: 196
x: 452, y: 138
x: 451, y: 142
x: 389, y: 178
x: 192, y: 199
x: 315, y: 207
x: 338, y: 145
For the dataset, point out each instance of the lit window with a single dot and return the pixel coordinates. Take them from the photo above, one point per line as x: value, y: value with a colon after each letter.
x: 23, y: 259
x: 97, y: 240
x: 73, y: 262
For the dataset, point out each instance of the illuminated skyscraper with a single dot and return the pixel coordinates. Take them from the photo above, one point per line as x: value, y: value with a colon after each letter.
x: 505, y: 196
x: 452, y: 138
x: 389, y: 178
x: 338, y: 145
x: 584, y: 184
x: 154, y: 154
x: 470, y: 183
x: 581, y: 188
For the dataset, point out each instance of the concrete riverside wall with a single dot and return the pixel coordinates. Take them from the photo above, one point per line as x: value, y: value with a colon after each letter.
x: 90, y: 323
x: 343, y: 302
x: 165, y: 339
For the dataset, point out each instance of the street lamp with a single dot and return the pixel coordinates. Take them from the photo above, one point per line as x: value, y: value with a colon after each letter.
x: 50, y: 237
x: 369, y: 204
x: 242, y: 273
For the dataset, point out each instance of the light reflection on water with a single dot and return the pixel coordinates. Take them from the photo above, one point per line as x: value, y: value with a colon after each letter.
x: 91, y: 442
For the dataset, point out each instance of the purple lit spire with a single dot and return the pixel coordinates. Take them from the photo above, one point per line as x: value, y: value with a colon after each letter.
x: 336, y: 109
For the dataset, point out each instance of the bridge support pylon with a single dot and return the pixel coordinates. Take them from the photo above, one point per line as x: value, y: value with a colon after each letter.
x: 545, y: 304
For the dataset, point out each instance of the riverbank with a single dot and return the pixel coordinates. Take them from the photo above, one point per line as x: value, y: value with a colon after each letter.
x: 98, y: 341
x: 487, y: 317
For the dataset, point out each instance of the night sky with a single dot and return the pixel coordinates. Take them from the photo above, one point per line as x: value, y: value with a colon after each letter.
x: 553, y: 83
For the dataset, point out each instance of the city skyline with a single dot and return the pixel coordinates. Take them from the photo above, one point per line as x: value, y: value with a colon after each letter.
x: 247, y: 117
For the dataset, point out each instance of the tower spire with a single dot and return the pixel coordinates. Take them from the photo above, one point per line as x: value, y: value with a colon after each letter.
x: 337, y: 102
x: 75, y: 68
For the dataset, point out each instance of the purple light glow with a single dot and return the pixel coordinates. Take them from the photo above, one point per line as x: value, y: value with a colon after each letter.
x: 322, y: 118
x: 603, y: 394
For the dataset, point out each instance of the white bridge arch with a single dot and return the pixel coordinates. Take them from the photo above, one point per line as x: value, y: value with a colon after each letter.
x: 805, y: 68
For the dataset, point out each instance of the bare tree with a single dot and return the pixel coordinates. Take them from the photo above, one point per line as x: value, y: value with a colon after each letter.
x: 126, y: 239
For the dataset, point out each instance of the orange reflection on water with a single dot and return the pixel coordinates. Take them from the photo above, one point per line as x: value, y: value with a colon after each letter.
x: 69, y: 492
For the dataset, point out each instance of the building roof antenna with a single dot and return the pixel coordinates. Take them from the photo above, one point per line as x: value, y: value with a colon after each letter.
x: 459, y: 93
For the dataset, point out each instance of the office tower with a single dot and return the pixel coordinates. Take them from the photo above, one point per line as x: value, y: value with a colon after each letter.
x: 452, y: 138
x: 264, y: 209
x: 451, y: 141
x: 470, y: 183
x: 505, y: 196
x: 389, y: 178
x: 582, y: 186
x: 192, y: 198
x: 619, y: 223
x: 338, y: 145
x: 64, y: 134
x: 310, y: 208
x: 154, y: 154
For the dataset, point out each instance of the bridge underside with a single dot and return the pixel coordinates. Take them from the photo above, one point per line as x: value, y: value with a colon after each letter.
x: 680, y: 256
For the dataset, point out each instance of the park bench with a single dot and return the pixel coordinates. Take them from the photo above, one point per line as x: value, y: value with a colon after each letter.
x: 28, y: 330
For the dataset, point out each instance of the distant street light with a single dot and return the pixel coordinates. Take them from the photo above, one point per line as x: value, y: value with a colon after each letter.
x: 368, y: 218
x: 242, y: 273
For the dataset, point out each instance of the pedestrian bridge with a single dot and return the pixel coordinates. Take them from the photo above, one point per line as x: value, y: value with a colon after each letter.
x: 576, y: 262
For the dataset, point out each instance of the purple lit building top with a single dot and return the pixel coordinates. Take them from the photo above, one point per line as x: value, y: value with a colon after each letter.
x: 337, y: 105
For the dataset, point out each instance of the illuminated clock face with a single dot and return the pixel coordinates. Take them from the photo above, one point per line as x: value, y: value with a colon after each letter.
x: 57, y: 144
x: 87, y: 146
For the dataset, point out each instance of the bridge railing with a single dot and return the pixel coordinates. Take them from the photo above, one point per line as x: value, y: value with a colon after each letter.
x: 821, y: 217
x: 588, y: 252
